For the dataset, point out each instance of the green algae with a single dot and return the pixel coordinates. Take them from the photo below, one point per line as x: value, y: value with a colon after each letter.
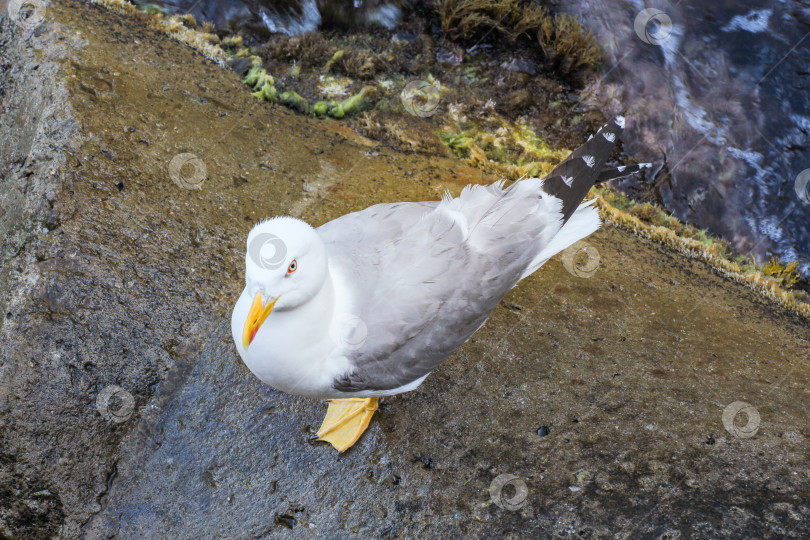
x: 337, y: 57
x: 263, y: 85
x: 515, y: 147
x: 322, y: 107
x: 257, y: 77
x: 459, y: 143
x: 347, y: 107
x: 268, y: 93
x: 294, y: 101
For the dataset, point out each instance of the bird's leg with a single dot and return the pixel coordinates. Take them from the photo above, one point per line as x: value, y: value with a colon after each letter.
x: 346, y: 420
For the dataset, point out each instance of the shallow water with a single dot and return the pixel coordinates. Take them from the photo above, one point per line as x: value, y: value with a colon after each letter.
x: 719, y: 100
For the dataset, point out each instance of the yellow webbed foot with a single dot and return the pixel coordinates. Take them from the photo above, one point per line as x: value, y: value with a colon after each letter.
x: 346, y: 420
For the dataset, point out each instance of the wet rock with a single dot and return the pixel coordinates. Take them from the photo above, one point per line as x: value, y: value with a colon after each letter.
x: 450, y: 54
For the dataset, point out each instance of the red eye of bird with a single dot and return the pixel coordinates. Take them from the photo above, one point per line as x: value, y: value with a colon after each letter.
x: 293, y: 267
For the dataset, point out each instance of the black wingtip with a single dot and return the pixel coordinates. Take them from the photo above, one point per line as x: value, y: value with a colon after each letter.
x: 571, y: 180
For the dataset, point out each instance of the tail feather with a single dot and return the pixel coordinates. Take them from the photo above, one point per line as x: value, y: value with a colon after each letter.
x: 571, y: 180
x: 613, y: 173
x: 584, y: 221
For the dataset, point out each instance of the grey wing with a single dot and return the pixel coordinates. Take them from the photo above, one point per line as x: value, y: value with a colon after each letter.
x: 427, y: 275
x: 423, y: 291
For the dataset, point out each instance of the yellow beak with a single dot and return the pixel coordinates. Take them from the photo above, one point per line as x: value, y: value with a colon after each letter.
x: 256, y: 317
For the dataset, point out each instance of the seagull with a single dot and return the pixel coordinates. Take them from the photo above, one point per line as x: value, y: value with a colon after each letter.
x: 370, y: 303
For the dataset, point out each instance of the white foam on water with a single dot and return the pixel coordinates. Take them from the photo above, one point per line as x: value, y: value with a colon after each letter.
x: 670, y: 45
x: 309, y: 20
x: 769, y: 226
x: 754, y: 160
x: 754, y: 21
x: 695, y: 115
x: 387, y: 16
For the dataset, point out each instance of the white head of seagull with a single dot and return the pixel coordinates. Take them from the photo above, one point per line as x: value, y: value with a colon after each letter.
x: 285, y: 267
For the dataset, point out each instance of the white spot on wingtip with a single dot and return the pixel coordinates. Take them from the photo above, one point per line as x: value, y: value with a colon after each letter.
x: 621, y: 168
x: 590, y: 137
x: 590, y: 161
x: 609, y: 136
x: 645, y: 165
x: 620, y: 121
x: 568, y: 180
